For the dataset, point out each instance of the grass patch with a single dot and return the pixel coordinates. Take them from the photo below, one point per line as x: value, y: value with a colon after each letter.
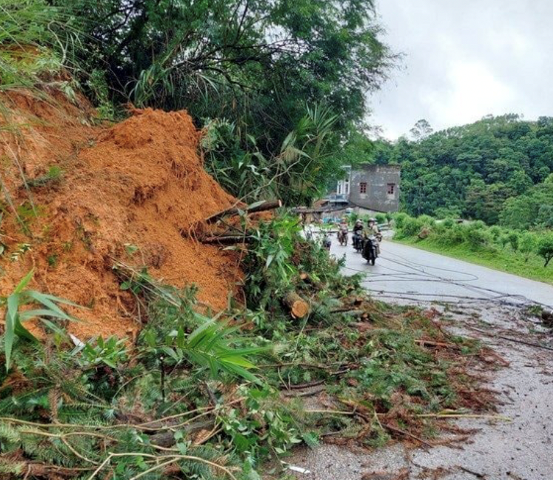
x: 504, y: 260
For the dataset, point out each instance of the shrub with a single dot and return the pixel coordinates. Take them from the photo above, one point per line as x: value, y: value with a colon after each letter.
x: 444, y: 212
x: 15, y: 316
x: 452, y: 236
x: 545, y: 248
x: 439, y: 229
x: 513, y: 240
x: 477, y: 238
x: 528, y: 243
x: 427, y: 220
x: 495, y: 232
x: 400, y: 219
x: 412, y: 227
x: 477, y: 225
x: 448, y: 223
x: 380, y: 218
x: 503, y: 240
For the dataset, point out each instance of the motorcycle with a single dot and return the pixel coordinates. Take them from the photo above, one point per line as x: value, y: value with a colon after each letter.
x: 327, y: 243
x: 370, y: 249
x: 343, y: 236
x: 357, y: 241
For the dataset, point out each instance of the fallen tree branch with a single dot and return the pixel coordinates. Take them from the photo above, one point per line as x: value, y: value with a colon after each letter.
x: 44, y: 470
x: 306, y: 385
x: 516, y: 340
x: 407, y: 434
x: 308, y: 393
x: 167, y: 439
x: 227, y: 239
x: 269, y: 205
x: 299, y: 308
x: 465, y: 415
x: 432, y: 343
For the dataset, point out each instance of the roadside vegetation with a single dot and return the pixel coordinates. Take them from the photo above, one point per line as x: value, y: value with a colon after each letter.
x: 525, y: 253
x: 279, y: 87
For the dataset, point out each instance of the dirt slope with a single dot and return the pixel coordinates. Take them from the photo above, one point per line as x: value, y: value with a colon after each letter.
x: 139, y: 183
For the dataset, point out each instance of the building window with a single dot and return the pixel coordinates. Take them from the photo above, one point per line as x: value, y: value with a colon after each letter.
x: 391, y: 188
x: 363, y: 187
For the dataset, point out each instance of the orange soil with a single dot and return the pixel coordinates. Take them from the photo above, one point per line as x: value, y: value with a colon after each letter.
x: 140, y: 182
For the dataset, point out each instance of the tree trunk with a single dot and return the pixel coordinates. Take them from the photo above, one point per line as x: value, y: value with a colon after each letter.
x: 299, y: 308
x: 227, y: 239
x: 234, y: 210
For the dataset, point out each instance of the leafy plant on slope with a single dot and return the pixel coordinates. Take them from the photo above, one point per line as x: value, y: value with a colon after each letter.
x: 14, y: 315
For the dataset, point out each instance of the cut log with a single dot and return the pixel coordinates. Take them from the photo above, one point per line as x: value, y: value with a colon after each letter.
x: 305, y: 277
x: 269, y: 205
x: 299, y: 308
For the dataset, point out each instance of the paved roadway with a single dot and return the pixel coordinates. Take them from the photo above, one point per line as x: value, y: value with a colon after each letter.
x: 408, y: 275
x: 519, y: 449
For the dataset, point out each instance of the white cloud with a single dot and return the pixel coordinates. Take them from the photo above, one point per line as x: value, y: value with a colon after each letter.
x: 473, y: 91
x: 465, y: 60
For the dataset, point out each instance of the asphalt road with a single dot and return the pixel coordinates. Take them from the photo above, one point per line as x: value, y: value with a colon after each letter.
x: 518, y: 448
x: 407, y: 274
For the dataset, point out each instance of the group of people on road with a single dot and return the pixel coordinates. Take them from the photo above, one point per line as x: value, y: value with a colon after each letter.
x: 360, y: 232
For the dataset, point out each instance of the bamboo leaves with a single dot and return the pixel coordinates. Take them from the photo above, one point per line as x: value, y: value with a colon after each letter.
x: 211, y: 346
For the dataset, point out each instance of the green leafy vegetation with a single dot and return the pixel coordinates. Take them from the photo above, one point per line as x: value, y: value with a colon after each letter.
x: 522, y: 253
x: 280, y: 86
x: 27, y: 40
x: 15, y: 316
x: 213, y: 397
x: 492, y: 170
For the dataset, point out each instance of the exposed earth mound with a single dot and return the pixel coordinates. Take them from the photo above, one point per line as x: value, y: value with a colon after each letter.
x: 87, y: 195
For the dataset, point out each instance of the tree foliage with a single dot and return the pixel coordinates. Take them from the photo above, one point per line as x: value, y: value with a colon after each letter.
x: 545, y: 248
x: 474, y: 169
x: 262, y: 67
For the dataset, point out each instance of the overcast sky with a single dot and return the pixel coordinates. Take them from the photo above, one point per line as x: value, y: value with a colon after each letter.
x: 465, y: 59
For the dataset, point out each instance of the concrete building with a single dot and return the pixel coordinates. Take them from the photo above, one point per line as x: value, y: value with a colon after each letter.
x: 370, y: 187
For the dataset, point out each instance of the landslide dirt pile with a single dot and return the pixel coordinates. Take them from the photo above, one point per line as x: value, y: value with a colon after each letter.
x: 131, y: 192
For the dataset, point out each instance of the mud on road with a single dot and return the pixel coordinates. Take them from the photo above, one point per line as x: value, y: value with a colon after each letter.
x: 515, y: 445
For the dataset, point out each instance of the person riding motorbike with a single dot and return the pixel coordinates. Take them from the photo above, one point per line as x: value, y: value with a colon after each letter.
x: 357, y: 232
x: 343, y: 231
x: 372, y: 229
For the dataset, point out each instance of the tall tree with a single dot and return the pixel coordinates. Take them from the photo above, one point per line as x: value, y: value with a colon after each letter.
x: 421, y: 129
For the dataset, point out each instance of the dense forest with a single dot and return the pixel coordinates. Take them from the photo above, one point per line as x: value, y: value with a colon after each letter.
x: 496, y: 170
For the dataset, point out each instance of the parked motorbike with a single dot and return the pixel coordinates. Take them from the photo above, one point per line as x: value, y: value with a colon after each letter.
x: 370, y: 249
x: 343, y: 236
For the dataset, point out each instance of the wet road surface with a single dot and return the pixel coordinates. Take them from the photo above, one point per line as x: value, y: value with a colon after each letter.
x: 470, y: 296
x: 413, y: 275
